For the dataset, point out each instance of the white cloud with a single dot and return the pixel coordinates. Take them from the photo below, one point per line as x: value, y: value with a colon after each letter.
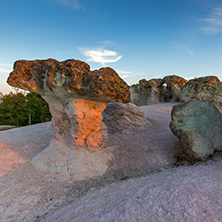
x: 101, y: 55
x: 213, y: 22
x: 71, y: 3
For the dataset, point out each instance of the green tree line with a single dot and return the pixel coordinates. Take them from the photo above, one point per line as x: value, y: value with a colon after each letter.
x: 17, y: 108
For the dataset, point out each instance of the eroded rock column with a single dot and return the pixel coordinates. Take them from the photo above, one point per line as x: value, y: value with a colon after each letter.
x: 77, y: 98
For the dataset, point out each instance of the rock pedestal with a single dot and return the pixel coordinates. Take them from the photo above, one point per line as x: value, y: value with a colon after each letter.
x: 76, y: 98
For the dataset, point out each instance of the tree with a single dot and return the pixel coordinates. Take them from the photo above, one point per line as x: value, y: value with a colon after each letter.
x: 13, y: 110
x: 38, y: 108
x: 16, y: 108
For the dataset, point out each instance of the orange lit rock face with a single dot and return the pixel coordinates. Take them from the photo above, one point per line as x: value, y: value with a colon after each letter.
x: 88, y: 114
x: 76, y: 96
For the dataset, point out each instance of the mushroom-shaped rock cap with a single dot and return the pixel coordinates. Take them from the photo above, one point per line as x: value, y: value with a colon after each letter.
x: 69, y: 78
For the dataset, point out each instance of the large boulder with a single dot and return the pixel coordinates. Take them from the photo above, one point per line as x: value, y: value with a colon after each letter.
x: 191, y: 88
x: 174, y: 85
x: 76, y: 98
x: 198, y: 125
x: 124, y: 118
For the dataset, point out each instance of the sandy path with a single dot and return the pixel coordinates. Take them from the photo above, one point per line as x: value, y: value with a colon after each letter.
x: 27, y: 194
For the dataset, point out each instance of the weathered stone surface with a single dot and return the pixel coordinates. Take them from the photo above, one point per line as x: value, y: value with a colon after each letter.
x: 76, y: 98
x: 211, y: 93
x: 198, y: 125
x: 70, y: 78
x: 190, y: 89
x: 147, y: 92
x: 139, y: 93
x: 124, y: 118
x: 174, y: 85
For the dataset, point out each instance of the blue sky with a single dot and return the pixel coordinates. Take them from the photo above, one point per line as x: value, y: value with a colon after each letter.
x: 138, y: 38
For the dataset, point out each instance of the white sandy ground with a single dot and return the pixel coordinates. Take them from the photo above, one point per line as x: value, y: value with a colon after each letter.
x: 148, y: 185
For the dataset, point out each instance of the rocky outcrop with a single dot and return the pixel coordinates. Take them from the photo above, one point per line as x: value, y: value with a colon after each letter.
x: 77, y: 98
x: 191, y: 88
x: 198, y: 123
x: 124, y: 118
x: 174, y: 85
x: 147, y: 92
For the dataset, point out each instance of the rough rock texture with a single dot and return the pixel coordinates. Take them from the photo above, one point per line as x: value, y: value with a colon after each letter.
x: 211, y: 93
x: 147, y: 92
x: 187, y: 193
x: 123, y: 118
x: 139, y: 93
x: 174, y: 85
x: 191, y: 88
x: 198, y: 125
x: 76, y: 98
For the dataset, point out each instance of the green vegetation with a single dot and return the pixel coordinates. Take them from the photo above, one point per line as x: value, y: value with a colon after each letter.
x: 16, y: 108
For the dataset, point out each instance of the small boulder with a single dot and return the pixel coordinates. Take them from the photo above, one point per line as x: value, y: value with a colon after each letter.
x: 124, y: 118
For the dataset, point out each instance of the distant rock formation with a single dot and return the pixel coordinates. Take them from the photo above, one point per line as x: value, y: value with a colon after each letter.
x: 77, y: 98
x: 174, y: 85
x: 191, y: 88
x: 198, y: 123
x: 154, y: 91
x: 123, y: 118
x: 147, y: 92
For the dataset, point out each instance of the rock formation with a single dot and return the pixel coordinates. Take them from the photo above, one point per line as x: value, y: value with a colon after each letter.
x: 198, y: 123
x: 191, y: 88
x: 174, y: 85
x: 147, y: 92
x: 77, y: 98
x: 123, y: 118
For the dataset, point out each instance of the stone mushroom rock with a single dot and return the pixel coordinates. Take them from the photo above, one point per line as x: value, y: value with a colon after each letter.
x: 190, y: 89
x: 174, y: 85
x: 124, y: 118
x: 76, y: 98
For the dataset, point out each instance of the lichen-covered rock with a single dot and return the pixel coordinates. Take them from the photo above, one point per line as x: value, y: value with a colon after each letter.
x: 157, y: 93
x: 147, y: 92
x: 124, y: 118
x: 190, y: 89
x: 140, y: 93
x: 211, y: 93
x: 76, y: 98
x: 174, y: 85
x: 70, y: 78
x: 198, y: 125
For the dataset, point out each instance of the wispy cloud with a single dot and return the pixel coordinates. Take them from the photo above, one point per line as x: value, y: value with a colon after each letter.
x: 184, y: 49
x: 5, y: 70
x: 71, y: 3
x: 124, y: 74
x: 213, y: 22
x: 101, y: 55
x: 4, y: 64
